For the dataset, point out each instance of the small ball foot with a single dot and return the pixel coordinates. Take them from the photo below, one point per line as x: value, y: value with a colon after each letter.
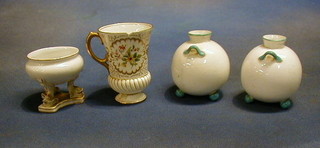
x: 179, y: 93
x: 215, y: 96
x: 248, y: 99
x: 286, y: 104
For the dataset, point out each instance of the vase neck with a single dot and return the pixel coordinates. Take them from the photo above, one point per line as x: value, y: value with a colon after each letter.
x: 198, y: 36
x: 272, y: 41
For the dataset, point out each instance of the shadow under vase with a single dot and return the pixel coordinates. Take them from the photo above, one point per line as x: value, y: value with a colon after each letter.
x: 187, y: 99
x: 256, y: 106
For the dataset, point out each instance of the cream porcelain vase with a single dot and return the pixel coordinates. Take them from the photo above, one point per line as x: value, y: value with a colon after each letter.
x: 200, y: 66
x: 271, y: 72
x: 52, y: 66
x: 127, y: 46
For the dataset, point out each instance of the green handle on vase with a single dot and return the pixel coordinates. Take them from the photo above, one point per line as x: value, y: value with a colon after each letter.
x: 275, y: 56
x: 200, y: 52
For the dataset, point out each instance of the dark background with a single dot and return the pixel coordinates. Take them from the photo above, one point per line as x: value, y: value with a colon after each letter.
x: 162, y: 120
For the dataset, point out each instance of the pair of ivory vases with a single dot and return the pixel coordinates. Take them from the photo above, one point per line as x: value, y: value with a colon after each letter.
x: 271, y: 72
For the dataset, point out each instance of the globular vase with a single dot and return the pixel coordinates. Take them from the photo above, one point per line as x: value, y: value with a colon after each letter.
x: 271, y: 72
x: 200, y: 66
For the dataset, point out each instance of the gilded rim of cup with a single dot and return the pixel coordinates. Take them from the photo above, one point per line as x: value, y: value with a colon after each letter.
x: 199, y: 32
x: 274, y: 37
x: 29, y: 56
x: 150, y: 27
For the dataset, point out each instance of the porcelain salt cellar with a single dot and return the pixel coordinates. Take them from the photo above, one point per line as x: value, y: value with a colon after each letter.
x: 271, y: 72
x: 200, y: 66
x: 52, y: 66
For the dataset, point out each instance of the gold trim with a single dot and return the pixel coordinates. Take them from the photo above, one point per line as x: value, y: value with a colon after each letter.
x: 91, y: 52
x: 126, y: 23
x: 131, y: 78
x: 131, y: 98
x: 53, y: 59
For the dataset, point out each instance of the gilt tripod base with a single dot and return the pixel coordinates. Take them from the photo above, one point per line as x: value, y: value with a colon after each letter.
x: 54, y: 99
x: 63, y: 100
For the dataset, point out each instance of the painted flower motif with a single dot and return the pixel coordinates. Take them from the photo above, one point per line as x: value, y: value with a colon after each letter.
x: 131, y: 58
x: 127, y: 56
x: 135, y: 49
x: 122, y: 48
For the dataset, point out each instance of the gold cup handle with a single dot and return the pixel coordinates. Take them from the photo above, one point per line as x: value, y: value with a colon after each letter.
x: 92, y: 54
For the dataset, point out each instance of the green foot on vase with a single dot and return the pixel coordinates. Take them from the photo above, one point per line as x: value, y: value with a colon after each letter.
x: 248, y: 99
x: 286, y: 104
x: 179, y: 93
x: 215, y: 96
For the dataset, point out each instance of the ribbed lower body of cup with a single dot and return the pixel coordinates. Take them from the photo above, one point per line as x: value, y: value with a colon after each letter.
x: 129, y: 86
